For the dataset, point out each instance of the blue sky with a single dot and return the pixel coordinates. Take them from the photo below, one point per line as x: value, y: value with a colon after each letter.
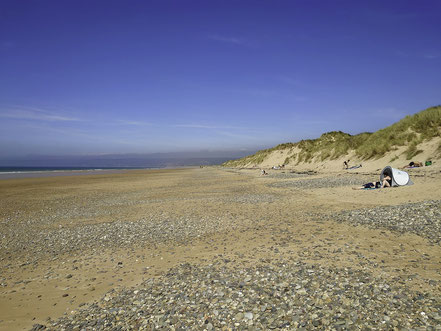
x: 92, y: 77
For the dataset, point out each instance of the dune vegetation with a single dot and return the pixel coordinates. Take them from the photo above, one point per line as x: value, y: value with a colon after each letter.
x: 411, y: 131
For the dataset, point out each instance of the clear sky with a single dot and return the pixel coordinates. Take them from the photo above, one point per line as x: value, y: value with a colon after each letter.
x: 91, y: 77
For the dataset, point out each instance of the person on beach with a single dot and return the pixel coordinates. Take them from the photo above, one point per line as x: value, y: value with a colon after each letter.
x: 413, y: 165
x: 387, y: 182
x: 368, y: 186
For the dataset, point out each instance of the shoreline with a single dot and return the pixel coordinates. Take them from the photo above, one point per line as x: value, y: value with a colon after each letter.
x: 57, y: 173
x: 74, y: 172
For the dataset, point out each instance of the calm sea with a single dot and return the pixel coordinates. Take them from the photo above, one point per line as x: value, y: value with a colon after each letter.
x: 40, y: 169
x: 27, y: 172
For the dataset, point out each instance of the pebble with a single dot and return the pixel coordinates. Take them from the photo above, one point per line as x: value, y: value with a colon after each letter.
x: 285, y: 295
x: 40, y: 234
x: 420, y: 218
x: 324, y: 182
x: 359, y: 300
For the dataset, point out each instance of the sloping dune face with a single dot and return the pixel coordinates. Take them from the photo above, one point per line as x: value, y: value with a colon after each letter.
x: 416, y: 137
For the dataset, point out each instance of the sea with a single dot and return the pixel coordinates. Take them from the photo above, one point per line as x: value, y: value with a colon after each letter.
x: 29, y: 172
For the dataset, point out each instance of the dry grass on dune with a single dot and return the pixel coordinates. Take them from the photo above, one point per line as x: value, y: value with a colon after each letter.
x: 409, y: 132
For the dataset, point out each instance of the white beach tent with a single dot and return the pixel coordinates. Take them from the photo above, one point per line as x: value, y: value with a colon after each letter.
x: 399, y: 177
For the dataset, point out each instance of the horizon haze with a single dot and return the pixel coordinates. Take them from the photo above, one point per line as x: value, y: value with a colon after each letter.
x: 120, y: 160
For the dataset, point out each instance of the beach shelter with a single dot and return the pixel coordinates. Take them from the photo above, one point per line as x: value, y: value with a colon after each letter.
x: 399, y: 177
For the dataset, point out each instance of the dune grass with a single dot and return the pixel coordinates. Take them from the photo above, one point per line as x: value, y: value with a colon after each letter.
x: 410, y: 131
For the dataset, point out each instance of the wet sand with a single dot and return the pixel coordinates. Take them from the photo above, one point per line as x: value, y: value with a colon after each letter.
x: 68, y: 240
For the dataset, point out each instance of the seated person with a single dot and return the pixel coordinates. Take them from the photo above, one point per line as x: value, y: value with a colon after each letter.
x: 387, y: 182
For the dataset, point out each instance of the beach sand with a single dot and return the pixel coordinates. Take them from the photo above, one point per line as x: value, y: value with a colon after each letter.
x: 67, y: 241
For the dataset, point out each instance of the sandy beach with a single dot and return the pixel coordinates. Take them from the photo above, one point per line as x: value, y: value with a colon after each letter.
x: 218, y: 248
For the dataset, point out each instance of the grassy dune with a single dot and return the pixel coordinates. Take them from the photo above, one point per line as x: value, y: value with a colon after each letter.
x: 411, y: 131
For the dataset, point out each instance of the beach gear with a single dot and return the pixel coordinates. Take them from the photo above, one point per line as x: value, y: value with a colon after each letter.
x: 399, y: 177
